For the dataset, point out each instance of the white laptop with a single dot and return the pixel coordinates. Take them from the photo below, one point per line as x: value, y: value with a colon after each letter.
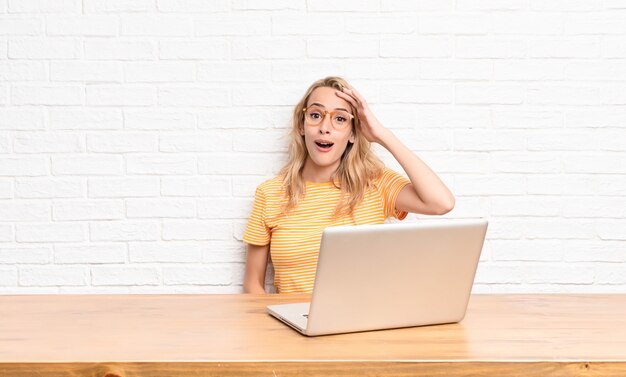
x: 373, y: 277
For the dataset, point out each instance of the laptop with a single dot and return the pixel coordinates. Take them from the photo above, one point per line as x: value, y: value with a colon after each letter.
x: 374, y: 277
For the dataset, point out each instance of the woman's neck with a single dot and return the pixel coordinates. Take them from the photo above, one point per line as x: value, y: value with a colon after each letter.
x: 318, y: 174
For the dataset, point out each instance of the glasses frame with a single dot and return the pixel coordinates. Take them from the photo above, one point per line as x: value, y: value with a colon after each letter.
x: 326, y: 112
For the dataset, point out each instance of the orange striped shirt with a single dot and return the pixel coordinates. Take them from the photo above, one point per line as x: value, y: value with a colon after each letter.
x: 294, y: 238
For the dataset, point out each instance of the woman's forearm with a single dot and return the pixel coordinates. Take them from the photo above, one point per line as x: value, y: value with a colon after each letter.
x: 428, y: 187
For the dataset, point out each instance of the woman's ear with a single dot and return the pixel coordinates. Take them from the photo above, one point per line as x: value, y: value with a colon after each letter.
x: 351, y: 139
x: 302, y: 131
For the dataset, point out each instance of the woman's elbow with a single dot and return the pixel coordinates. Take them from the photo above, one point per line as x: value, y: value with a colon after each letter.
x: 446, y: 206
x: 253, y: 288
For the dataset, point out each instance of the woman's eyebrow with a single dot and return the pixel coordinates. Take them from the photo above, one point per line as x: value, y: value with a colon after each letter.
x: 337, y: 108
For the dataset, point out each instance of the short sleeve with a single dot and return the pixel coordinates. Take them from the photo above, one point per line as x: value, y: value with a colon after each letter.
x: 257, y: 232
x: 390, y: 184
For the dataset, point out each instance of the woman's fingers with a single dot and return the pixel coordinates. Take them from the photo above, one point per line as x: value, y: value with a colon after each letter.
x: 348, y: 98
x: 358, y: 96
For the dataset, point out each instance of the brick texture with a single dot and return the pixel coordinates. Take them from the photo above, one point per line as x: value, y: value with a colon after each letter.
x: 133, y: 133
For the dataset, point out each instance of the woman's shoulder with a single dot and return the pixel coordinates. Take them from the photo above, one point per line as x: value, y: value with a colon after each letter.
x: 271, y: 186
x: 387, y: 177
x: 384, y: 173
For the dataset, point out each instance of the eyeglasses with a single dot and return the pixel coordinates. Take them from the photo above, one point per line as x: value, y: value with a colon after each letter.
x: 314, y: 115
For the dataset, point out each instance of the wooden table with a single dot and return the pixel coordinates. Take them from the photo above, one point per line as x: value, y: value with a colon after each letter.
x: 218, y: 335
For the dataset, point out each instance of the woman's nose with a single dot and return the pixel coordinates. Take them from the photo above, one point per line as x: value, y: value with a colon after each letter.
x: 325, y: 125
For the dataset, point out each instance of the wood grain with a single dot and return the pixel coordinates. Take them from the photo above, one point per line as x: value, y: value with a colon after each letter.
x: 406, y: 369
x: 152, y: 335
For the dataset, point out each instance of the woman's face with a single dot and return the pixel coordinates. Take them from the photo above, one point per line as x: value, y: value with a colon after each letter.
x: 325, y: 142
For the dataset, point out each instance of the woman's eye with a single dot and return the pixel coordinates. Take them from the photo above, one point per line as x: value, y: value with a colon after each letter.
x: 315, y: 115
x: 340, y: 119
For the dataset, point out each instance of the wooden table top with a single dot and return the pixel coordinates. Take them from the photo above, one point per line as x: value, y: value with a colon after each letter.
x: 236, y: 328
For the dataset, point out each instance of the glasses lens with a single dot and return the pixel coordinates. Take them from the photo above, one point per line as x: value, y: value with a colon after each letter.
x: 314, y: 115
x: 341, y: 119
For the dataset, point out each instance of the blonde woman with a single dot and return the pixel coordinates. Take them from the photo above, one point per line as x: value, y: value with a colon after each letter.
x: 332, y: 178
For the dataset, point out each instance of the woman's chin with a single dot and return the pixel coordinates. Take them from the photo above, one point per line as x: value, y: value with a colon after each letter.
x: 324, y: 162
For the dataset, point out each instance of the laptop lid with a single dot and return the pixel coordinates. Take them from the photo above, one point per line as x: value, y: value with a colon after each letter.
x: 384, y: 276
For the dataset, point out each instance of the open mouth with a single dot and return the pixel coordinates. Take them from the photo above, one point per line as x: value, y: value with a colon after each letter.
x: 324, y: 145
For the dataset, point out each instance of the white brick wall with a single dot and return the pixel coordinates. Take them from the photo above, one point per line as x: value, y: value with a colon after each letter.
x: 133, y: 133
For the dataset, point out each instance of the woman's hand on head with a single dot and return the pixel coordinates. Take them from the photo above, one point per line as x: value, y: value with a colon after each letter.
x: 370, y: 127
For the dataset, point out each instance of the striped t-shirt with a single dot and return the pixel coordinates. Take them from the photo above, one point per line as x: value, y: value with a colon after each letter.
x: 294, y: 237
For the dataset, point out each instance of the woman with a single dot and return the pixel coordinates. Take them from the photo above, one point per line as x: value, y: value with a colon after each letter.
x: 332, y: 178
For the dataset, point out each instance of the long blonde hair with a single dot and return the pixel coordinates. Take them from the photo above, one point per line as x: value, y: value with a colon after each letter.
x: 358, y: 168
